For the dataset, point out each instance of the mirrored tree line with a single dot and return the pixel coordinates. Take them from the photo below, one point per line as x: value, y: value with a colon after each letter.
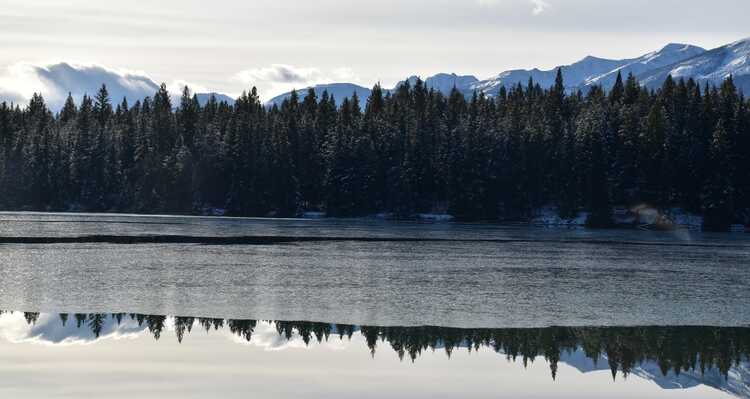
x: 408, y: 151
x: 675, y: 349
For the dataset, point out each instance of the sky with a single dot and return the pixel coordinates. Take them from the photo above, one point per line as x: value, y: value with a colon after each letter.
x: 228, y: 46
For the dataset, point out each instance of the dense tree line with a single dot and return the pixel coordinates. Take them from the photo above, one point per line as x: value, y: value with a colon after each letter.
x: 413, y: 150
x: 675, y: 349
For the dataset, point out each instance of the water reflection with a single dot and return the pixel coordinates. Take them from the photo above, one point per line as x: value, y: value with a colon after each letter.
x: 673, y: 356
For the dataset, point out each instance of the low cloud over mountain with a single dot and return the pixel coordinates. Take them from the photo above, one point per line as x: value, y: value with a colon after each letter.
x: 55, y: 81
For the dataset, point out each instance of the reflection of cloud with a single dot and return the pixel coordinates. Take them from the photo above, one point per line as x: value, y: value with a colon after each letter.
x: 267, y: 337
x: 279, y: 78
x: 48, y: 329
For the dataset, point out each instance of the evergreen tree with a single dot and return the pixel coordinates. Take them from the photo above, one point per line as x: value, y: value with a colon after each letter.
x: 413, y: 150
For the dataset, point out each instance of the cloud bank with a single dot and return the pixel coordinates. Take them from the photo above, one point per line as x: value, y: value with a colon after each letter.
x: 539, y: 6
x: 18, y: 82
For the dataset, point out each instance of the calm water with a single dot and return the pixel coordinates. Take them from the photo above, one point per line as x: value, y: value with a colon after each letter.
x: 521, y: 277
x: 119, y: 355
x: 646, y: 314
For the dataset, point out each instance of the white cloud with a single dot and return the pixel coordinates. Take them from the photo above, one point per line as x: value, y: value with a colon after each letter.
x: 487, y: 3
x: 55, y: 80
x: 281, y: 74
x: 539, y: 6
x: 280, y: 78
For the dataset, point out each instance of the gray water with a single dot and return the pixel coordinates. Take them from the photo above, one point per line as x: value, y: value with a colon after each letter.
x: 527, y: 277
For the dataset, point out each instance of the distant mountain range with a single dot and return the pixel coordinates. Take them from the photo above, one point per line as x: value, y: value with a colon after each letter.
x: 651, y: 69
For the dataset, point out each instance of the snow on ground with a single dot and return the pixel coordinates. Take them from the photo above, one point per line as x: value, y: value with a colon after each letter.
x: 214, y: 212
x: 313, y: 215
x: 683, y: 219
x: 548, y: 217
x: 435, y: 217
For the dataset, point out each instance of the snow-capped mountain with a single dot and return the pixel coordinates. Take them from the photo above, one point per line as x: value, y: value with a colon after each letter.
x: 204, y: 97
x: 710, y: 67
x: 574, y: 75
x: 668, y: 55
x: 651, y: 69
x: 443, y: 82
x: 588, y: 71
x: 580, y: 75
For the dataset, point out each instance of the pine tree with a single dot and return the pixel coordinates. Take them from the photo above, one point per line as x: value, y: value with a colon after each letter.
x: 719, y: 192
x: 591, y: 131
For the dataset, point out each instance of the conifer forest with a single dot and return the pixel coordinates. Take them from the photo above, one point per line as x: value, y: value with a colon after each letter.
x: 407, y: 151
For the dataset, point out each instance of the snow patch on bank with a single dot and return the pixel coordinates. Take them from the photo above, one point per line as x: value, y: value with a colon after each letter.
x: 314, y: 215
x: 435, y: 217
x: 684, y: 219
x: 548, y: 216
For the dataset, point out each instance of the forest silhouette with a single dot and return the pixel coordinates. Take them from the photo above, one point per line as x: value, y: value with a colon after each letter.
x: 413, y: 150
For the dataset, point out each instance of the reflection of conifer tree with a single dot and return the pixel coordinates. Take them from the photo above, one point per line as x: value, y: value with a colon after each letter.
x: 182, y: 324
x: 345, y: 330
x: 118, y: 317
x: 673, y: 349
x: 155, y: 325
x: 31, y: 317
x: 80, y: 319
x: 139, y: 318
x: 96, y: 322
x: 242, y: 328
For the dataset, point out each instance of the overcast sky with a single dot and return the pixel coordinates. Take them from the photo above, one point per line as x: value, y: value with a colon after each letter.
x: 278, y: 44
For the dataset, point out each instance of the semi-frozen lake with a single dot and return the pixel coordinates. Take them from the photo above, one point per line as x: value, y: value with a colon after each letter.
x: 373, y: 272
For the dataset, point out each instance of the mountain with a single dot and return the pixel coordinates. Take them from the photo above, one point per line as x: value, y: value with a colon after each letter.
x: 711, y: 67
x: 651, y: 69
x: 204, y: 97
x: 574, y: 75
x: 339, y: 91
x: 580, y: 75
x: 591, y: 70
x: 442, y: 82
x: 668, y: 55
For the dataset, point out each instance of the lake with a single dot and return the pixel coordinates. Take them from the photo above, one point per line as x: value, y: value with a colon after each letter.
x: 351, y: 301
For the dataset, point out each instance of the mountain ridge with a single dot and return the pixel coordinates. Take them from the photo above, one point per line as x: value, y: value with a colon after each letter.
x: 651, y: 69
x: 680, y: 60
